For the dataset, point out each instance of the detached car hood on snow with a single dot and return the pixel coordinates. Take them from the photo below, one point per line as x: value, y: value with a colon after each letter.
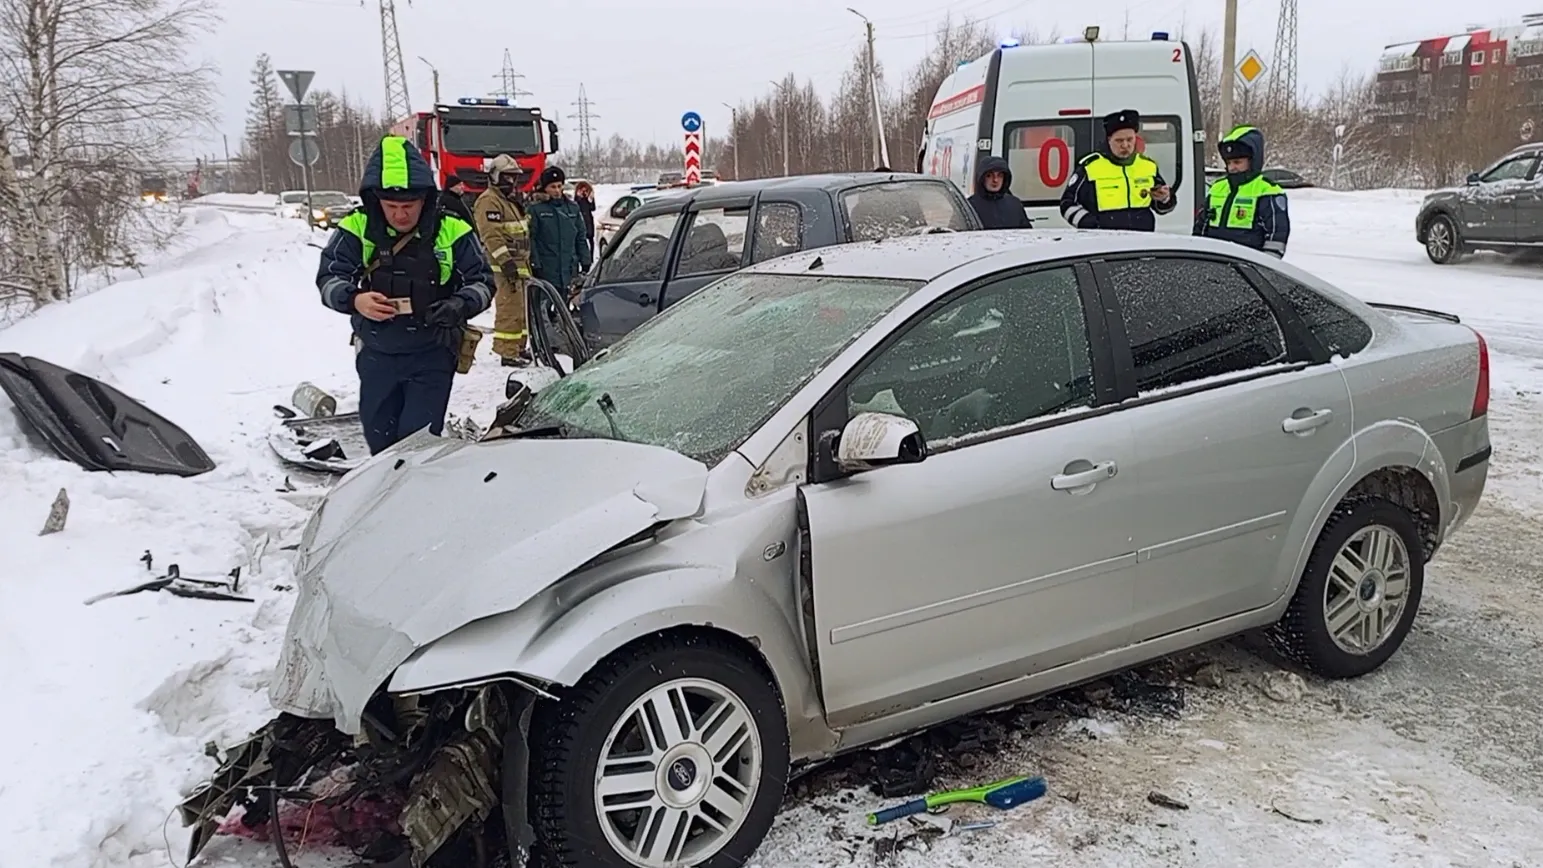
x: 434, y: 534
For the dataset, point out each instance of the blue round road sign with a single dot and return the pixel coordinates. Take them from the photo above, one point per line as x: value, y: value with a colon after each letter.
x: 691, y: 122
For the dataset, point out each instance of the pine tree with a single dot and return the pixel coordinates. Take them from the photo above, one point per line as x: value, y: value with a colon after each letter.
x: 265, y: 139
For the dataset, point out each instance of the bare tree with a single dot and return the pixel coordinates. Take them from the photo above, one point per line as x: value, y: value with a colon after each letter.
x: 91, y: 91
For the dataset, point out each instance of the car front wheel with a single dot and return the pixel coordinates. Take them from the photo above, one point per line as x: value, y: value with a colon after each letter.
x: 1442, y: 243
x: 673, y: 752
x: 1359, y: 593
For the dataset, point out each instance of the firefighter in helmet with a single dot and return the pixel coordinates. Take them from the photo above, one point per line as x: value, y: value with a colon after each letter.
x: 502, y: 224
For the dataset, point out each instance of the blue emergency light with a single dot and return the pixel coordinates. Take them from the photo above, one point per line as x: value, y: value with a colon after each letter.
x: 1011, y: 43
x: 478, y: 100
x: 1160, y: 36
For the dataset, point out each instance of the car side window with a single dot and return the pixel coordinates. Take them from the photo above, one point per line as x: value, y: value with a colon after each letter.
x: 623, y: 207
x: 639, y: 253
x: 1340, y: 331
x: 1515, y: 169
x: 1190, y: 319
x: 779, y: 230
x: 715, y: 242
x: 1008, y: 352
x: 900, y: 208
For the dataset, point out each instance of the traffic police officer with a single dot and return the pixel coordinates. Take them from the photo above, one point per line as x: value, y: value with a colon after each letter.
x: 1243, y: 206
x: 1117, y: 188
x: 501, y: 221
x: 410, y: 276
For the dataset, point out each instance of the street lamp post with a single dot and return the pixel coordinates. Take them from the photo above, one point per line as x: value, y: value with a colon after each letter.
x: 734, y: 136
x: 436, y: 78
x: 783, y: 90
x: 880, y: 146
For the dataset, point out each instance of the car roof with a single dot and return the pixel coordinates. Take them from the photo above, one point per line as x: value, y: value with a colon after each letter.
x: 725, y: 191
x: 930, y: 256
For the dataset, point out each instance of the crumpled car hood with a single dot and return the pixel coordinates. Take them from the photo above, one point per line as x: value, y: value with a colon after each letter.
x: 434, y: 534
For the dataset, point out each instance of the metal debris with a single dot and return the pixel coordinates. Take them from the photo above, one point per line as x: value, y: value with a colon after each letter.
x: 1166, y: 801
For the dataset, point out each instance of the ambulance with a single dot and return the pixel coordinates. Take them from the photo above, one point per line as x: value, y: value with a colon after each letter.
x: 1041, y: 108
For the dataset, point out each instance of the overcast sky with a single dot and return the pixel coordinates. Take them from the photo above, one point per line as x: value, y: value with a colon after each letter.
x: 644, y: 62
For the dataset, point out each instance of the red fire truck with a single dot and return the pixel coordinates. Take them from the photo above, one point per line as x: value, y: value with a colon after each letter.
x: 458, y: 139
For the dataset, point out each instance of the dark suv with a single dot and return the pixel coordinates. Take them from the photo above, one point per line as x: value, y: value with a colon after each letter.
x: 1500, y: 208
x: 669, y: 248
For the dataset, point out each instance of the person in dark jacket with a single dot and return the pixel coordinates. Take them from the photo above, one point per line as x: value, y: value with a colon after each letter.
x: 409, y: 276
x: 584, y: 197
x: 453, y: 200
x: 994, y: 201
x: 1117, y: 188
x: 559, y: 250
x: 1243, y: 207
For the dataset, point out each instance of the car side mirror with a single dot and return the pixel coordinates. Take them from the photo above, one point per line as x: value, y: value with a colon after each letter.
x: 1473, y: 178
x: 872, y: 440
x: 551, y: 128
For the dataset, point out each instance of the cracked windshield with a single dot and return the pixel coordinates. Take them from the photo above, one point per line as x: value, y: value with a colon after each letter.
x: 700, y: 380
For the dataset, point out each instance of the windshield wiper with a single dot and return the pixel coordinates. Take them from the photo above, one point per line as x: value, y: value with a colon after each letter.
x: 608, y: 407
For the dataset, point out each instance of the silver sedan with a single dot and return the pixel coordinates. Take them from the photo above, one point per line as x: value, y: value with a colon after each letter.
x: 851, y: 493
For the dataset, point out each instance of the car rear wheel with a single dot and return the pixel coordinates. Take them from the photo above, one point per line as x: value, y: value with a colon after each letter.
x: 671, y: 753
x: 1442, y: 243
x: 1359, y: 593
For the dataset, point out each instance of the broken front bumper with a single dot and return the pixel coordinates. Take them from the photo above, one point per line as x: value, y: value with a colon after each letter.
x: 435, y: 766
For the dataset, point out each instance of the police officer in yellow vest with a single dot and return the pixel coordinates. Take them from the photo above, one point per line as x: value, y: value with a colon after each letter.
x: 501, y: 222
x: 1117, y: 188
x: 1243, y: 207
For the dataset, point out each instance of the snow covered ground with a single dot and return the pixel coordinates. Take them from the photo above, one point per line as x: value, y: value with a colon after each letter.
x: 1436, y: 760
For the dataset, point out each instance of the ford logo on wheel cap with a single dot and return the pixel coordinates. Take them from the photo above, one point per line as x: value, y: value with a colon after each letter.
x: 682, y: 774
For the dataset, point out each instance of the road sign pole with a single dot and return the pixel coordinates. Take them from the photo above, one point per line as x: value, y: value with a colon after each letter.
x: 691, y: 122
x: 1229, y: 65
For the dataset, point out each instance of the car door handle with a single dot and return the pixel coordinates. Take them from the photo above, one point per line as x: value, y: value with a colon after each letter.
x: 1083, y: 478
x: 645, y: 300
x: 1314, y: 420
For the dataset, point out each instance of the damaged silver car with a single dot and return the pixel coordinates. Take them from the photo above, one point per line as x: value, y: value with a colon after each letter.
x: 839, y: 497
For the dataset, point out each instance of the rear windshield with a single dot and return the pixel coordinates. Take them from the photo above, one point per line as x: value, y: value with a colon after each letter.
x: 901, y: 208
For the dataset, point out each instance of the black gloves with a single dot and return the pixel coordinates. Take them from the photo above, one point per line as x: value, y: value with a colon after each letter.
x: 447, y: 313
x: 511, y: 271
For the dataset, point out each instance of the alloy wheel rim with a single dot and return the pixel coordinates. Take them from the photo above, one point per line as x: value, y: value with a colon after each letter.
x: 678, y: 773
x: 1439, y: 240
x: 1367, y: 590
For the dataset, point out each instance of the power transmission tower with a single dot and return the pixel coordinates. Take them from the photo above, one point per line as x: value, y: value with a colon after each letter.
x: 586, y: 129
x: 398, y: 105
x: 1283, y: 81
x: 509, y: 81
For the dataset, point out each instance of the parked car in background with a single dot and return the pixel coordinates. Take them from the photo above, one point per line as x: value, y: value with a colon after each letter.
x: 670, y: 247
x: 610, y: 220
x: 670, y: 179
x: 290, y: 205
x: 856, y: 492
x: 1286, y: 179
x: 1499, y: 208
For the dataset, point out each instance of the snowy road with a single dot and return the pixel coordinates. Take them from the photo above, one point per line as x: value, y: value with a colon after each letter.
x: 1436, y: 760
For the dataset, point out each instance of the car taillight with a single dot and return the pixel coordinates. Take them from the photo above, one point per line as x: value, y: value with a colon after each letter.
x: 1481, y: 393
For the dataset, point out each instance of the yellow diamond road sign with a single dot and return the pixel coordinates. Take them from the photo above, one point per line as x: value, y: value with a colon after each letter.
x: 1250, y: 68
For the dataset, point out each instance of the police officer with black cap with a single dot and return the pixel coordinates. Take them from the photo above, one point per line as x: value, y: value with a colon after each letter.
x: 1116, y: 187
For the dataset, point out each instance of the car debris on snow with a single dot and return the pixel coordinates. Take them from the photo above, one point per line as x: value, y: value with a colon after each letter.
x: 178, y: 585
x: 1163, y: 800
x: 57, y: 514
x: 86, y: 421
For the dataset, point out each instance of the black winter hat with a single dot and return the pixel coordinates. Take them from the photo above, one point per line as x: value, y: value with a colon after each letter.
x: 1235, y: 149
x: 1126, y: 119
x: 552, y: 175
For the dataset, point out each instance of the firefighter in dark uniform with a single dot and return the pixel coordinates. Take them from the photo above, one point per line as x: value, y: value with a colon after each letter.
x: 1117, y: 188
x: 501, y: 221
x: 1243, y: 207
x: 410, y: 276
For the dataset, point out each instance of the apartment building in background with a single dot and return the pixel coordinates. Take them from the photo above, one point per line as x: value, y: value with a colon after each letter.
x: 1485, y: 71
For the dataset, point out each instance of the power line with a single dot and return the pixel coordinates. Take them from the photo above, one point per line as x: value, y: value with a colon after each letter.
x: 398, y: 104
x: 1283, y: 81
x: 509, y: 81
x: 585, y: 117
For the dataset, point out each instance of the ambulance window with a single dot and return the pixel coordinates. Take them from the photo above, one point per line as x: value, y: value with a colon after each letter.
x: 1042, y: 154
x: 1161, y: 136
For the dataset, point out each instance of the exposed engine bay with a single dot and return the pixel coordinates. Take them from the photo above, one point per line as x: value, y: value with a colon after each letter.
x: 419, y: 786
